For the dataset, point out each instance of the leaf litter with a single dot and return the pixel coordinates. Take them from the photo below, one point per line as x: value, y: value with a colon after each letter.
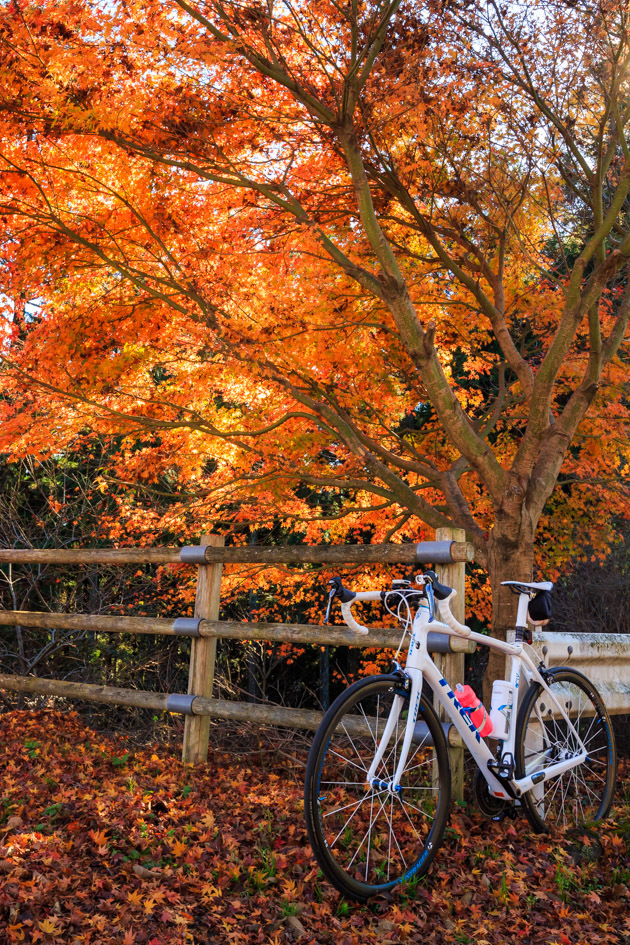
x: 153, y: 852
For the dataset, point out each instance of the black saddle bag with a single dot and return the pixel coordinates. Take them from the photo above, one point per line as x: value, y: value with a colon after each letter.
x: 539, y: 607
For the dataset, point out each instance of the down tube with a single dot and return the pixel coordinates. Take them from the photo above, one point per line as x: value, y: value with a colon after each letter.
x: 470, y: 736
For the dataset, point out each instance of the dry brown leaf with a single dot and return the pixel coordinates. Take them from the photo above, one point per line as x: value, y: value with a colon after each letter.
x: 144, y: 873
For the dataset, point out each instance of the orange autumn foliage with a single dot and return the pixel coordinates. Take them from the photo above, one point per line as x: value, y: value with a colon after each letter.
x: 358, y: 273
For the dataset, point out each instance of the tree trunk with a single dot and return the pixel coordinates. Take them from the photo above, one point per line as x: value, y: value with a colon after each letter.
x: 510, y: 558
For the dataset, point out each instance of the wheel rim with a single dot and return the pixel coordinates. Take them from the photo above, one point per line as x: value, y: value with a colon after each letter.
x: 374, y: 838
x: 583, y: 793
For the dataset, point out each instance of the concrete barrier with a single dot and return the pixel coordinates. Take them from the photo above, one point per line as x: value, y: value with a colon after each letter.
x: 603, y: 657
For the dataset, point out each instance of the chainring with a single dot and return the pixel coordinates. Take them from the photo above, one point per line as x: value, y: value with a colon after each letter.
x: 489, y: 805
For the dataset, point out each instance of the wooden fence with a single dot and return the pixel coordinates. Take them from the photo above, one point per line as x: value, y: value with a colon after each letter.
x: 449, y: 553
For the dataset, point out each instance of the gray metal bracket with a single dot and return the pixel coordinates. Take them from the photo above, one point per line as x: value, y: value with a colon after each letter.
x: 438, y: 642
x: 178, y: 702
x: 187, y: 626
x: 422, y: 735
x: 434, y: 552
x: 193, y: 554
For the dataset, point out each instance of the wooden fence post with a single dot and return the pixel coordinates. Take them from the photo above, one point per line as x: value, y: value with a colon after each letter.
x: 202, y: 656
x: 451, y: 665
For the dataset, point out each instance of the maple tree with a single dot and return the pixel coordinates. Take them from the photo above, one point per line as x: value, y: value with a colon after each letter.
x: 360, y: 267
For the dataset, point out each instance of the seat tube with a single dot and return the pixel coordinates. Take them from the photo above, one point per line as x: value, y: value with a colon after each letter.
x: 519, y: 636
x: 515, y: 673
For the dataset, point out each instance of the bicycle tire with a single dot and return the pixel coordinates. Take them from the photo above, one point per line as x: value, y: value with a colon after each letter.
x: 341, y: 753
x: 583, y: 794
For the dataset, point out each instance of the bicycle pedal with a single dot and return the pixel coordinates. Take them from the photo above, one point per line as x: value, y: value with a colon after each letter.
x: 503, y: 768
x: 508, y: 811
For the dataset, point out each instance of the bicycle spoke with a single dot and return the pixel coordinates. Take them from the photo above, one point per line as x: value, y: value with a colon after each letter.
x: 553, y: 786
x: 409, y: 818
x: 413, y: 807
x: 577, y: 795
x: 349, y: 737
x: 389, y: 852
x: 363, y: 834
x: 582, y: 792
x: 348, y: 820
x: 402, y: 856
x: 367, y: 858
x: 368, y: 831
x: 348, y: 762
x: 407, y: 768
x: 352, y: 804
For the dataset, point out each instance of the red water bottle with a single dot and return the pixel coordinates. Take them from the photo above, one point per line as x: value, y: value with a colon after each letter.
x: 477, y: 713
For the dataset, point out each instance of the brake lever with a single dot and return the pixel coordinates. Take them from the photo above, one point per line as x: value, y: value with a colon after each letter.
x: 426, y: 581
x: 331, y: 597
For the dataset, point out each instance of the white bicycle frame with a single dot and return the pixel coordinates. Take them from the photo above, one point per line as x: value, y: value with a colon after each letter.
x: 420, y: 667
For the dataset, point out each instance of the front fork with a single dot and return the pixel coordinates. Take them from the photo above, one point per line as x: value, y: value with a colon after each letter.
x: 412, y: 678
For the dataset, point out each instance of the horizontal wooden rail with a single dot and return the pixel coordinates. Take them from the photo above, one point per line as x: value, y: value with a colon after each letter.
x: 322, y: 635
x: 230, y: 629
x: 449, y: 553
x: 258, y: 714
x: 278, y: 715
x: 93, y: 622
x: 118, y: 556
x: 75, y: 690
x: 428, y: 552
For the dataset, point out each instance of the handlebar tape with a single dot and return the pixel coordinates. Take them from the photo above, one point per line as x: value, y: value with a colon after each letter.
x: 349, y: 619
x: 450, y: 620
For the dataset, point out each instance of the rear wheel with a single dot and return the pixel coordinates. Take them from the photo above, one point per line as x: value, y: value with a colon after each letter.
x: 581, y: 794
x: 365, y: 838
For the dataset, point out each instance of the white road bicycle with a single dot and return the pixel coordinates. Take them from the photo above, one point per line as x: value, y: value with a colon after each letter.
x: 377, y: 791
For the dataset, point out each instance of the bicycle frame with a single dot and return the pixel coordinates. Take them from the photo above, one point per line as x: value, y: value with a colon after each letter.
x: 420, y: 667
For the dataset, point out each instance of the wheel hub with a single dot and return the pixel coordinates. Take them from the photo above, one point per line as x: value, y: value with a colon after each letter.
x: 379, y: 785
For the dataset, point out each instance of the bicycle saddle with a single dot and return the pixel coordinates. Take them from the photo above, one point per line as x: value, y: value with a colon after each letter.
x: 523, y: 587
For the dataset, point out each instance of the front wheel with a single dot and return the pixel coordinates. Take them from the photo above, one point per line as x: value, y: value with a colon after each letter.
x: 582, y: 794
x: 367, y: 838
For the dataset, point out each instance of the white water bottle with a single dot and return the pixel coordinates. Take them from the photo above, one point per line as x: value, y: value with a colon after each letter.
x: 501, y: 707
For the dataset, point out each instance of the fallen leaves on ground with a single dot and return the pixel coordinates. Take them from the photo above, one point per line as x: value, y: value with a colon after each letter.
x: 153, y: 852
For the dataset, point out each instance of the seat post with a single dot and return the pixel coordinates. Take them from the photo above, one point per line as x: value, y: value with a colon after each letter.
x: 521, y: 616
